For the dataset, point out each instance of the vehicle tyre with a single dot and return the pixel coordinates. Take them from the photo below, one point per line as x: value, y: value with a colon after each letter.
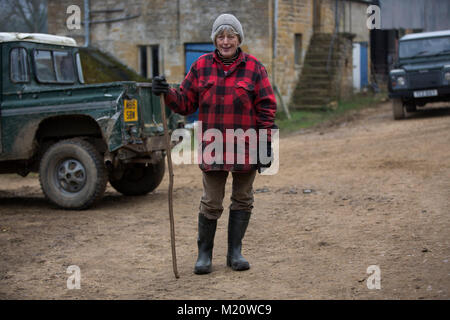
x: 398, y: 109
x: 139, y: 179
x: 72, y: 174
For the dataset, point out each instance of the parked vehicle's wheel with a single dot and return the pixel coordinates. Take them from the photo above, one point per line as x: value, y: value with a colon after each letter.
x: 139, y: 179
x: 398, y: 109
x: 72, y: 174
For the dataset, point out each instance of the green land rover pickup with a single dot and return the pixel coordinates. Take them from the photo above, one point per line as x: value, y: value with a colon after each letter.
x: 422, y: 72
x: 77, y: 136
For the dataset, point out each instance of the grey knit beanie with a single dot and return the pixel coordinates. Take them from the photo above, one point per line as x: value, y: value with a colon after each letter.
x: 229, y: 20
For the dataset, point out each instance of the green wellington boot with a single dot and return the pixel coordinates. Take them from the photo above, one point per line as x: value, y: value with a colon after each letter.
x: 205, y: 242
x: 237, y: 225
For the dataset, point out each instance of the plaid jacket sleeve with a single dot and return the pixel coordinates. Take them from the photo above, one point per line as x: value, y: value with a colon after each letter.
x: 265, y: 102
x: 185, y: 100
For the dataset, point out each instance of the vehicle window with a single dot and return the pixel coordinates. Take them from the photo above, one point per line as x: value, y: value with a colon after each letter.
x: 64, y: 66
x: 424, y: 47
x: 19, y: 65
x: 45, y: 71
x: 79, y: 69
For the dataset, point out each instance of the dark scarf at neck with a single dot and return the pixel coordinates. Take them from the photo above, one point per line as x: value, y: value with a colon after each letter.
x: 228, y: 61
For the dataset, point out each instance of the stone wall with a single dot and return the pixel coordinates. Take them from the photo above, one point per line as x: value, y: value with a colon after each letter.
x: 327, y: 75
x: 354, y: 20
x: 294, y: 17
x: 169, y: 24
x: 172, y: 24
x: 344, y: 75
x: 325, y: 16
x: 57, y: 17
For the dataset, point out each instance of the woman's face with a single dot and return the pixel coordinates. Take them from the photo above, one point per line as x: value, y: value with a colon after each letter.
x: 227, y: 44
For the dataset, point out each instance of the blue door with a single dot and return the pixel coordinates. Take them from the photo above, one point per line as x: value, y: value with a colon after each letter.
x: 192, y: 52
x: 364, y: 65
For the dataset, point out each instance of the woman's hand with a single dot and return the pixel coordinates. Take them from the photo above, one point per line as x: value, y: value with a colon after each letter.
x: 159, y: 85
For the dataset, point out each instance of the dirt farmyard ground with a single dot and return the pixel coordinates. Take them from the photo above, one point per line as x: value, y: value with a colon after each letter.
x: 370, y: 191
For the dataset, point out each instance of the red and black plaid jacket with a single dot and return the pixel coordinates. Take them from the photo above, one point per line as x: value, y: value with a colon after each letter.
x: 242, y: 98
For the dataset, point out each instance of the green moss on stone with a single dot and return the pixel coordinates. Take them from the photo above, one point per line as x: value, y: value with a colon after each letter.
x: 99, y: 67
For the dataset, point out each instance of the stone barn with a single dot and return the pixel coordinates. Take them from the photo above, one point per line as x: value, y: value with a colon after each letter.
x: 156, y: 37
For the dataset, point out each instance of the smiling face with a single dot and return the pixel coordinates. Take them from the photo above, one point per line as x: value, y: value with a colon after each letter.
x: 227, y: 43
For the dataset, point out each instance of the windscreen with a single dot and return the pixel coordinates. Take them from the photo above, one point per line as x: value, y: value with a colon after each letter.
x: 424, y: 47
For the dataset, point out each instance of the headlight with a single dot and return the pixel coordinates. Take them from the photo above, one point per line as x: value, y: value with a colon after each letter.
x: 398, y: 78
x: 447, y: 76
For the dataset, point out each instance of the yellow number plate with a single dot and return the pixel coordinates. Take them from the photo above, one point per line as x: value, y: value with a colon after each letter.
x: 130, y: 110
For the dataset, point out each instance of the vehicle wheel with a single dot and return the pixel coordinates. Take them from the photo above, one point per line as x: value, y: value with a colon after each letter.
x: 72, y: 174
x: 398, y: 109
x: 139, y: 179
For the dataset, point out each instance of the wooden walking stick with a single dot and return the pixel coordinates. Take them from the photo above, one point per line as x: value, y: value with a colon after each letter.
x: 169, y: 162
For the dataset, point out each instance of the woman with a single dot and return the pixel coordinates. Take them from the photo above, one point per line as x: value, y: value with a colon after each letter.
x: 232, y: 91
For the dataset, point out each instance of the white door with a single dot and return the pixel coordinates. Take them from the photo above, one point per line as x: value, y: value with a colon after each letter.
x: 356, y: 67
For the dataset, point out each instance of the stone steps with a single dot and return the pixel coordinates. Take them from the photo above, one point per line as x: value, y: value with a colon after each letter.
x: 315, y: 89
x: 316, y: 82
x: 319, y: 62
x: 313, y: 85
x: 313, y: 101
x: 319, y: 77
x: 322, y: 54
x: 309, y: 70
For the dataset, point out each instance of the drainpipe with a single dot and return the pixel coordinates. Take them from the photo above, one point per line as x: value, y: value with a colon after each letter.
x: 274, y: 56
x: 86, y: 24
x: 333, y: 37
x: 274, y: 37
